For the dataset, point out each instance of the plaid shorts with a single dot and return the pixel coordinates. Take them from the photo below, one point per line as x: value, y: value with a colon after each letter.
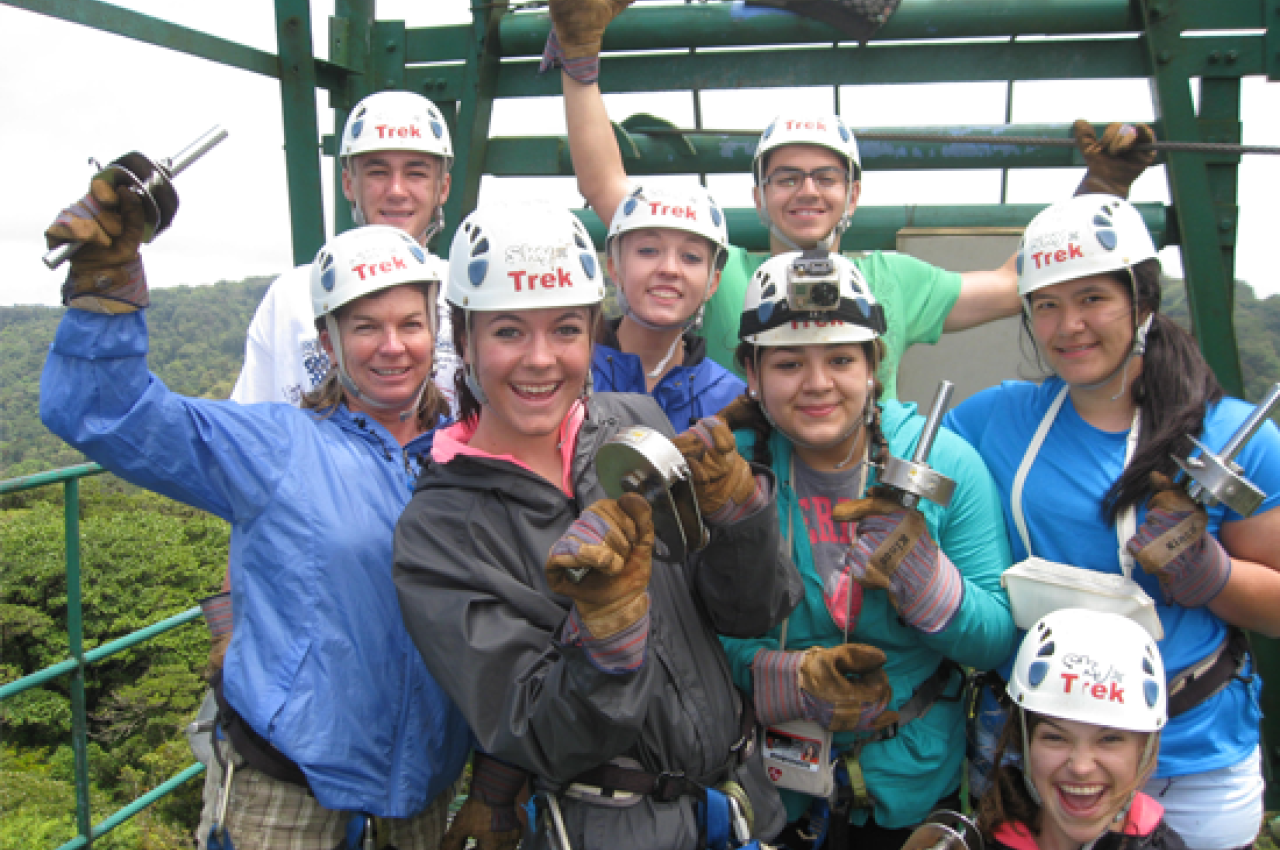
x: 267, y: 814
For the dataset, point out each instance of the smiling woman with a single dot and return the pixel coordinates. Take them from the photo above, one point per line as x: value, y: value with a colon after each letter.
x: 1091, y: 700
x: 582, y: 650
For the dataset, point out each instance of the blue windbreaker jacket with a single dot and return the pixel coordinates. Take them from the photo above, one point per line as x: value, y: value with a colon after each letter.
x: 701, y: 387
x: 320, y: 663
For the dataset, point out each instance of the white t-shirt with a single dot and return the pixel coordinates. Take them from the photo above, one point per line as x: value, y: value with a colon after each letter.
x: 283, y: 358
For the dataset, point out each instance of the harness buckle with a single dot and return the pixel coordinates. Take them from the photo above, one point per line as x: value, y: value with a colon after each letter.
x: 668, y: 786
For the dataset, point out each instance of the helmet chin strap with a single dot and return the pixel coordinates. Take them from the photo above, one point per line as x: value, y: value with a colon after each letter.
x: 354, y: 391
x: 1139, y: 347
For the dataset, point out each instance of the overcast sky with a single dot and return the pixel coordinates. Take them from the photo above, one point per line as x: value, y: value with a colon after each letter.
x: 70, y: 93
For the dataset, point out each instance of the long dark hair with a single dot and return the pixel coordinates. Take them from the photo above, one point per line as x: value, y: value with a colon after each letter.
x: 1173, y: 392
x: 1006, y: 799
x: 751, y: 415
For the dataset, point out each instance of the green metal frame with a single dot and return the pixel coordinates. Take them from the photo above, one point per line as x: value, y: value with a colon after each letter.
x: 79, y: 660
x: 702, y: 48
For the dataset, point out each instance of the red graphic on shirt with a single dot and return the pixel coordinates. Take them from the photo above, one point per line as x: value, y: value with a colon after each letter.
x: 842, y: 596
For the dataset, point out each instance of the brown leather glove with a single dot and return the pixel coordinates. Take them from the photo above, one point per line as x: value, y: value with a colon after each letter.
x: 489, y: 813
x: 723, y: 482
x: 1174, y: 545
x: 846, y: 687
x: 580, y: 24
x: 106, y: 272
x: 613, y: 542
x: 895, y: 553
x: 1113, y: 163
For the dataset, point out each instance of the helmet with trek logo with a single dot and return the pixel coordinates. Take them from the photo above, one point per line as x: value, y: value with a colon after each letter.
x: 1080, y: 237
x: 1091, y: 667
x: 397, y: 121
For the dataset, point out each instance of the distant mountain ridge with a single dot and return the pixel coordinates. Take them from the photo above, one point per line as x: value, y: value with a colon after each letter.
x: 197, y: 348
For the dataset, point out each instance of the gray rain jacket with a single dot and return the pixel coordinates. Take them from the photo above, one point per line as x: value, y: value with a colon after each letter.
x: 470, y: 551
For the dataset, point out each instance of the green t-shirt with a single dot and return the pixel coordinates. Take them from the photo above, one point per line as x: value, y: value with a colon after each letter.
x: 917, y: 298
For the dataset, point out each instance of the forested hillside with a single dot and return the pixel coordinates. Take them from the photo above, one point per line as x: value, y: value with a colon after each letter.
x: 197, y: 345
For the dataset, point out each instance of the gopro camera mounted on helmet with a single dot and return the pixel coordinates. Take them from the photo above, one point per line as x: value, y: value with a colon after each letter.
x: 813, y: 284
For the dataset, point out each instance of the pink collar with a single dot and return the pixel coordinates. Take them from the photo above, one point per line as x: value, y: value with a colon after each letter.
x: 455, y: 440
x: 1144, y: 816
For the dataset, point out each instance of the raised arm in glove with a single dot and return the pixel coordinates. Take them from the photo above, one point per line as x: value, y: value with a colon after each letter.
x: 489, y: 813
x: 106, y: 272
x: 894, y: 552
x: 1113, y: 162
x: 578, y: 31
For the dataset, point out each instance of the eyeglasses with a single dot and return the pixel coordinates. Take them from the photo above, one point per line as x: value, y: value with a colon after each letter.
x: 828, y: 177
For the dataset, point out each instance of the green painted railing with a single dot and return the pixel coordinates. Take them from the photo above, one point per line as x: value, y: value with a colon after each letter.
x: 79, y: 660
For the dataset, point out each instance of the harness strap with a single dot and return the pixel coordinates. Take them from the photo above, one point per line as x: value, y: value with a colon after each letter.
x: 256, y: 750
x: 929, y: 692
x: 1202, y: 681
x: 669, y: 785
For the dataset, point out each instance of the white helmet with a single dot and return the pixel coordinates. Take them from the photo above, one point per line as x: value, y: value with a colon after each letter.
x: 397, y: 121
x: 361, y: 262
x: 367, y: 259
x: 523, y: 257
x: 1091, y: 667
x: 1083, y: 236
x: 809, y: 298
x: 825, y: 130
x: 691, y: 210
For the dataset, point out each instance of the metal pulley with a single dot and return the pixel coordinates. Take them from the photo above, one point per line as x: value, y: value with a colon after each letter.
x: 913, y: 480
x: 641, y: 460
x: 945, y: 830
x: 152, y: 181
x: 1215, y: 478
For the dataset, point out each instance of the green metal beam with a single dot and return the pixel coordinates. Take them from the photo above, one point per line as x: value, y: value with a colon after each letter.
x: 715, y: 24
x: 301, y: 132
x: 1271, y: 20
x: 1053, y: 60
x: 350, y: 35
x: 75, y: 640
x: 1207, y: 232
x: 471, y: 139
x: 722, y: 153
x: 876, y: 228
x: 144, y: 28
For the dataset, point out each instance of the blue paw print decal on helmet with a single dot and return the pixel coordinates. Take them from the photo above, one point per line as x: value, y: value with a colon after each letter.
x: 845, y: 135
x: 588, y: 264
x: 1150, y: 687
x: 357, y: 123
x: 629, y: 206
x: 328, y: 274
x: 478, y: 267
x: 1104, y: 229
x: 437, y: 129
x: 716, y: 216
x: 768, y: 131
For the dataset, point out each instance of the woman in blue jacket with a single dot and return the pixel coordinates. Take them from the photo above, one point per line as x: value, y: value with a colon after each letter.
x: 1083, y: 461
x: 814, y: 415
x: 665, y: 251
x: 329, y: 708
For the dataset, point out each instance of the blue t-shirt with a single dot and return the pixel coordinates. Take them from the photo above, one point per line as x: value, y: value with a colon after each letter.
x: 1062, y: 506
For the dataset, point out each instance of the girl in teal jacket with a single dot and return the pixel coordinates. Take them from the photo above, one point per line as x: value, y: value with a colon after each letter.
x: 812, y: 415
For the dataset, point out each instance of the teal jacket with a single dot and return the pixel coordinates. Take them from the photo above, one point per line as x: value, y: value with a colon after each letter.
x: 907, y: 774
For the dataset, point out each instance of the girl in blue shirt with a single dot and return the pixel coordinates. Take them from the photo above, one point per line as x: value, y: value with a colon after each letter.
x: 1083, y: 462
